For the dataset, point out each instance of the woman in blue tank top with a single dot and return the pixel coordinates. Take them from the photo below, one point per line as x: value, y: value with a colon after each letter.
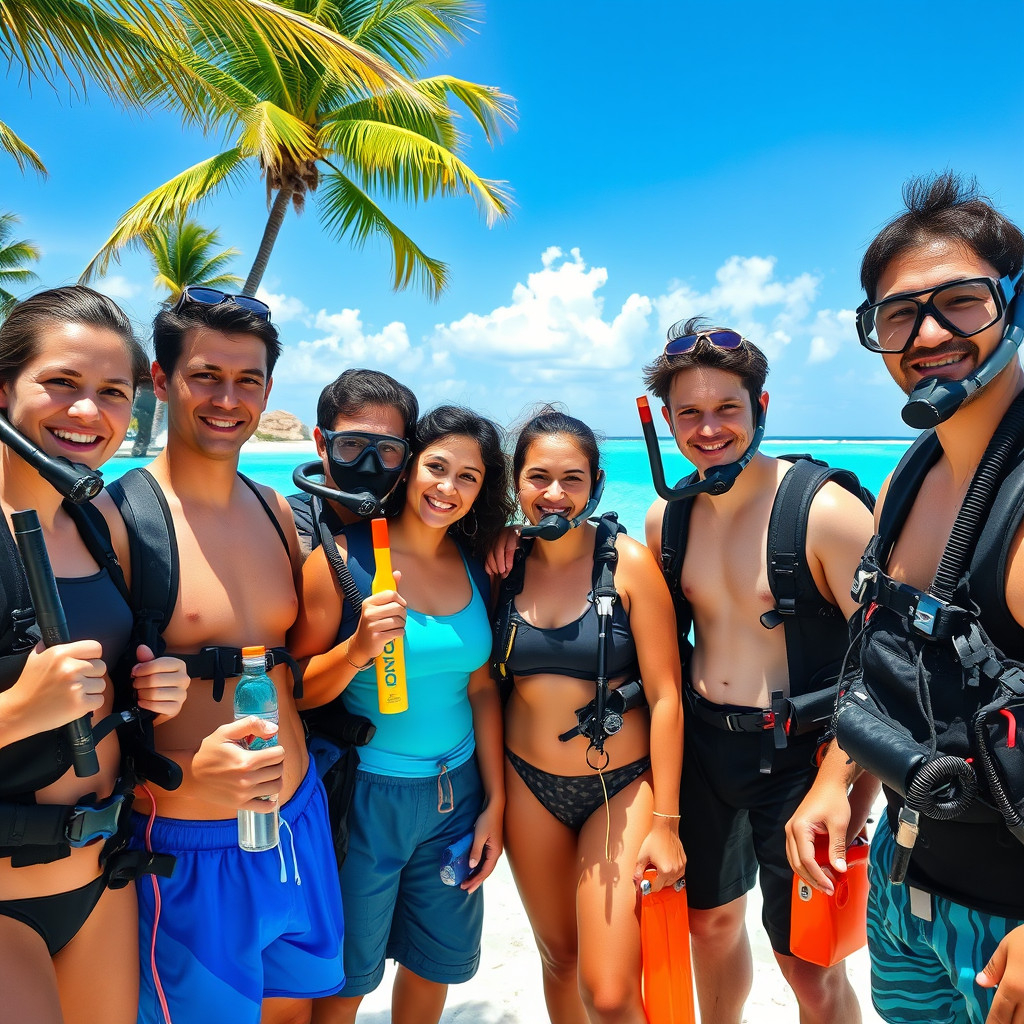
x: 69, y: 366
x: 432, y: 774
x: 583, y: 823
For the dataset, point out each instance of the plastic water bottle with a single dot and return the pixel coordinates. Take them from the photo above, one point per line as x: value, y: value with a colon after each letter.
x: 256, y: 695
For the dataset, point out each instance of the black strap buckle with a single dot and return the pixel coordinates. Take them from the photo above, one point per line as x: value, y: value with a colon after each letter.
x: 87, y: 824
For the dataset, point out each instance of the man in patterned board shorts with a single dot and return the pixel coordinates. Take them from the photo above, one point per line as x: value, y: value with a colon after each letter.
x: 947, y: 942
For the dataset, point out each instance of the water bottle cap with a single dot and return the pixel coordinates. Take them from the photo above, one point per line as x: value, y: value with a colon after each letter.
x: 254, y: 652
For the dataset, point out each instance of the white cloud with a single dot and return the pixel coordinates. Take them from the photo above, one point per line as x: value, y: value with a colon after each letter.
x: 284, y: 308
x: 119, y: 287
x: 340, y: 341
x: 554, y: 324
x: 747, y: 297
x: 560, y: 338
x: 831, y: 332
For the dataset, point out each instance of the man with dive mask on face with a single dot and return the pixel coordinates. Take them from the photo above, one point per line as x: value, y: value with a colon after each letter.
x: 749, y: 692
x: 932, y: 695
x: 365, y: 420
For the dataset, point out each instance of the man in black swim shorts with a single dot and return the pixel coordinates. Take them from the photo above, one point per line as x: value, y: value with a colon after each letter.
x: 744, y: 768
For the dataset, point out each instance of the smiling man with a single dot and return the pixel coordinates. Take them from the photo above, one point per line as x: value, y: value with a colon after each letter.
x: 744, y: 768
x: 946, y: 912
x: 235, y: 935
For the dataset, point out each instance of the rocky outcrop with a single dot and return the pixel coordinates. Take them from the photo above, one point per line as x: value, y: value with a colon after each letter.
x: 278, y: 425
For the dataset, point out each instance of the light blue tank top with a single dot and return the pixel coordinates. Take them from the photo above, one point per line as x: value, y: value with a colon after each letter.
x: 441, y: 651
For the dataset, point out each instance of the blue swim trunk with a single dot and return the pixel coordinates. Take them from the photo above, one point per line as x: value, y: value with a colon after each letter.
x: 924, y: 970
x: 395, y: 902
x: 237, y: 927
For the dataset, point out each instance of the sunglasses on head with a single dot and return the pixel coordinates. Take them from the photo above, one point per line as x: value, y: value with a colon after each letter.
x: 717, y: 337
x: 214, y: 297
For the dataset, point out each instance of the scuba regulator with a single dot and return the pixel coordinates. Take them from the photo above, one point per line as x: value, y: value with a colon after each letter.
x: 76, y: 481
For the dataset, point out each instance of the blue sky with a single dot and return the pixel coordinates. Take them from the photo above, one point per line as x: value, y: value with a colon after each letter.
x: 732, y: 159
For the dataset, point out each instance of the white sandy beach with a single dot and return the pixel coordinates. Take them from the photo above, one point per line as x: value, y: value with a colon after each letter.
x: 507, y: 989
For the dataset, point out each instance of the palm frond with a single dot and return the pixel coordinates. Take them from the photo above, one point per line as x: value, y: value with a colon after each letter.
x: 401, y: 163
x: 233, y: 22
x: 348, y: 212
x: 491, y: 109
x: 13, y: 257
x: 276, y: 135
x: 184, y: 252
x: 409, y: 32
x: 168, y: 202
x: 24, y: 155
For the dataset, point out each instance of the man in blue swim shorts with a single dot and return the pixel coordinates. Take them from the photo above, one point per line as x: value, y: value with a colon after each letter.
x: 940, y: 622
x: 232, y: 935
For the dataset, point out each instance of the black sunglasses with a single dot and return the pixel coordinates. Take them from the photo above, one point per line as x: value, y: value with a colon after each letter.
x: 964, y: 308
x: 347, y: 447
x: 214, y: 297
x: 718, y: 337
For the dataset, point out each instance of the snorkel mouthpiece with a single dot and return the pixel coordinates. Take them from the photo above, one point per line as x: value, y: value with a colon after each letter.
x: 716, y: 481
x: 934, y: 400
x: 76, y: 481
x: 554, y: 526
x: 363, y: 503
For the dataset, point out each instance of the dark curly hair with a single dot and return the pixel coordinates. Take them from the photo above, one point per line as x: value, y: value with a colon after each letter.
x: 493, y: 505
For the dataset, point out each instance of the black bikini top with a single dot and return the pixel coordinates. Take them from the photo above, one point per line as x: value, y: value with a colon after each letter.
x: 571, y: 650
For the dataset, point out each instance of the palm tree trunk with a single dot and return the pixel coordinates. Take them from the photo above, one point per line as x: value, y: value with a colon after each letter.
x: 145, y: 407
x: 274, y: 222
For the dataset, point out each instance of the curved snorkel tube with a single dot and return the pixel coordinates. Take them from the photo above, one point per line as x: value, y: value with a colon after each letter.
x: 364, y: 503
x: 77, y: 482
x: 717, y: 480
x: 934, y: 400
x: 554, y: 526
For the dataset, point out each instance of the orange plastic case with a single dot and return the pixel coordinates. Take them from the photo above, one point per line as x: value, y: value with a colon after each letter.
x: 665, y: 944
x: 827, y: 929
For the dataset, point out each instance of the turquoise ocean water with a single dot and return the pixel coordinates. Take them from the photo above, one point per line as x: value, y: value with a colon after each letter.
x: 629, y: 491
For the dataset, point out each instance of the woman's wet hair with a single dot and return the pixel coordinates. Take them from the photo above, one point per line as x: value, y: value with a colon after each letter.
x: 71, y: 304
x: 551, y: 421
x: 944, y: 207
x: 478, y: 530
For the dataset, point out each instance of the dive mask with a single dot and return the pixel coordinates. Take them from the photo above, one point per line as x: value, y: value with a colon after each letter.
x: 364, y: 467
x: 964, y: 308
x: 76, y: 481
x: 717, y: 480
x: 553, y: 526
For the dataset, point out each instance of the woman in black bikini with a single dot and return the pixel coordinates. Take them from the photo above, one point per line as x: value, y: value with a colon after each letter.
x: 69, y: 365
x: 577, y: 854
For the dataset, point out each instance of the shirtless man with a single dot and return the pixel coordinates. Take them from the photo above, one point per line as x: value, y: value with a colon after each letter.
x: 238, y: 936
x: 737, y: 789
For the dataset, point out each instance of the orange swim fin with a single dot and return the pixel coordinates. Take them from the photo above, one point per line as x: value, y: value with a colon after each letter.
x: 665, y: 945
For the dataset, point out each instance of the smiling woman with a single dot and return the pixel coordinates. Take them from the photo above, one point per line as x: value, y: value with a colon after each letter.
x: 69, y: 366
x: 430, y: 776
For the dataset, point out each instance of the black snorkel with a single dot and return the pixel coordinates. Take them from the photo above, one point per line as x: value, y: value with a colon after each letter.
x: 77, y: 482
x: 717, y: 480
x: 362, y: 485
x: 363, y: 503
x: 554, y: 526
x: 934, y: 400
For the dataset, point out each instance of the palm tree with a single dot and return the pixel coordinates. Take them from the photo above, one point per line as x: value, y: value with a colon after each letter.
x: 182, y: 252
x: 13, y: 257
x: 139, y: 52
x: 310, y: 130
